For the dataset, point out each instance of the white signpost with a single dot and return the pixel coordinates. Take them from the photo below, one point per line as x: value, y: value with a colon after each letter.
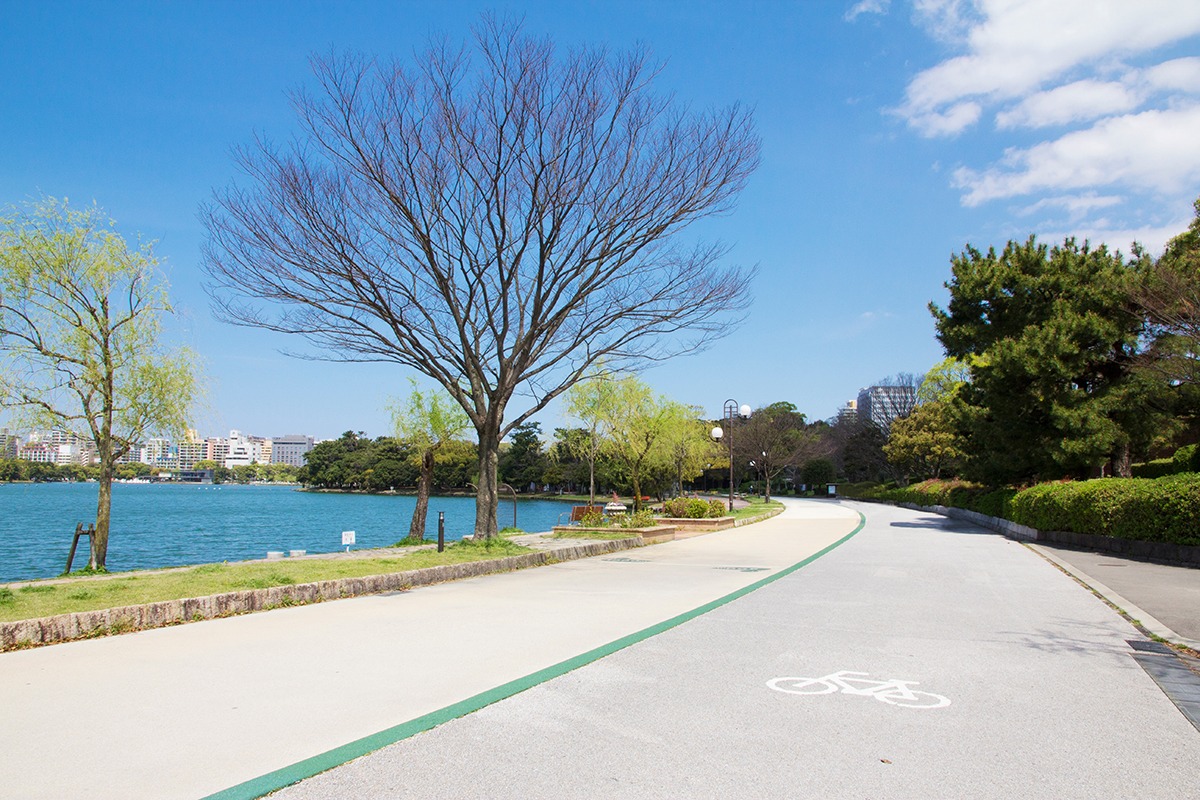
x: 347, y: 539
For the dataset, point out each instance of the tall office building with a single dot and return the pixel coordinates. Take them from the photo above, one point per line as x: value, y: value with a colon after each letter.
x: 882, y: 404
x: 290, y: 449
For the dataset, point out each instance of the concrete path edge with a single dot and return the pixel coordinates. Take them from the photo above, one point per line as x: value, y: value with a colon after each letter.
x: 286, y: 776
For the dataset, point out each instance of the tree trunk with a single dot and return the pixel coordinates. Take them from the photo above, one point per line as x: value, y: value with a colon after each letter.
x: 637, y: 493
x: 487, y: 500
x: 591, y: 481
x: 767, y: 495
x: 416, y: 531
x: 1121, y: 466
x: 99, y: 553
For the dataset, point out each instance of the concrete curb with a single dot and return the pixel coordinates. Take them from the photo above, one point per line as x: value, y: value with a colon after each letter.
x: 103, y: 622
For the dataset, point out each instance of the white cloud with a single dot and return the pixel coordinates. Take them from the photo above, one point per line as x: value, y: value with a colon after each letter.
x: 1075, y: 205
x: 1015, y: 47
x: 1180, y: 74
x: 1154, y: 151
x: 1103, y: 231
x: 1080, y: 101
x: 867, y: 7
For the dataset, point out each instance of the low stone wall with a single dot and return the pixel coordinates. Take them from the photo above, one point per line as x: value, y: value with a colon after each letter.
x: 89, y: 624
x: 706, y: 524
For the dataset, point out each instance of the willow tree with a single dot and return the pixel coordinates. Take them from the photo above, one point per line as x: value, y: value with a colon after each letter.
x: 426, y: 421
x: 497, y: 217
x: 80, y: 318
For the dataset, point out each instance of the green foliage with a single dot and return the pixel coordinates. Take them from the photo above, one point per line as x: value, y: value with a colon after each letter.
x: 819, y: 472
x: 1187, y: 458
x: 592, y: 519
x: 524, y: 462
x: 357, y: 463
x: 7, y: 598
x: 693, y: 508
x: 1053, y: 393
x: 1158, y: 468
x: 80, y: 333
x: 1164, y: 510
x: 926, y: 442
x: 637, y: 519
x: 952, y: 493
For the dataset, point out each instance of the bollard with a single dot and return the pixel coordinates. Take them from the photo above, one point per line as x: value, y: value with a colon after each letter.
x: 441, y: 531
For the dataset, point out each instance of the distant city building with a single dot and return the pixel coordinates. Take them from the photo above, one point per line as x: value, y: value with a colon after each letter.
x: 848, y: 413
x: 243, y: 450
x: 57, y: 447
x: 216, y: 449
x: 10, y: 445
x: 290, y: 449
x: 160, y: 453
x: 882, y: 404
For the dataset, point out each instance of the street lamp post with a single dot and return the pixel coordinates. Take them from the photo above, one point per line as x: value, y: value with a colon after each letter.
x: 731, y: 409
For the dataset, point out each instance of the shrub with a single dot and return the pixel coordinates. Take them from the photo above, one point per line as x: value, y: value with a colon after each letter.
x: 1163, y: 510
x: 693, y: 508
x: 675, y: 507
x: 640, y: 519
x: 592, y: 519
x: 1187, y: 459
x: 1158, y: 468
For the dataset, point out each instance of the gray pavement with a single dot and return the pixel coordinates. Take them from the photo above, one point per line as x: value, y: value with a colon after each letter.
x: 1038, y: 694
x: 1164, y: 599
x: 188, y: 711
x: 1044, y: 695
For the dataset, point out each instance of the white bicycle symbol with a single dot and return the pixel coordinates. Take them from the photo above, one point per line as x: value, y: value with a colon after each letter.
x: 895, y: 692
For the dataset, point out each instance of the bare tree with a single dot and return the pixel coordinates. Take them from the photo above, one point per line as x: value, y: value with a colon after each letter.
x: 776, y: 438
x: 495, y: 217
x: 1168, y: 297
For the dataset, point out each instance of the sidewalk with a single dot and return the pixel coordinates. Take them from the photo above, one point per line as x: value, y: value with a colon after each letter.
x: 1164, y: 600
x: 188, y: 711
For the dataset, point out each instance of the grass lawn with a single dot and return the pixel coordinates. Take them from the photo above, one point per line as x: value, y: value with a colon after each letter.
x: 134, y: 588
x: 756, y: 507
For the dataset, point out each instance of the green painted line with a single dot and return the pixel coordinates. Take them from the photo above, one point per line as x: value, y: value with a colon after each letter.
x: 280, y: 778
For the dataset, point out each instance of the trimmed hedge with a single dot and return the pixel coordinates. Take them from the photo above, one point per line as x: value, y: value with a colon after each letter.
x: 953, y: 493
x: 1162, y: 510
x: 1186, y: 459
x: 1150, y: 510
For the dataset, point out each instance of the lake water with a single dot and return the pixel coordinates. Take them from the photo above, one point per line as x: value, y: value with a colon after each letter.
x: 162, y: 525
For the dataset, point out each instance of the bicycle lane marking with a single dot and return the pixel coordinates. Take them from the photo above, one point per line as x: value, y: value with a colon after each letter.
x: 322, y: 762
x: 892, y: 691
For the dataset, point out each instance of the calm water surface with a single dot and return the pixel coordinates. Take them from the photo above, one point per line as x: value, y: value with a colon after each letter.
x: 161, y: 525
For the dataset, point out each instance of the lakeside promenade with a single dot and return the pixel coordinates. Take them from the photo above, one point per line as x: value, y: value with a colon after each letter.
x: 1044, y: 696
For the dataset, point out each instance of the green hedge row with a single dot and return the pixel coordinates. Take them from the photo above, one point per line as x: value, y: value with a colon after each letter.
x: 953, y: 493
x: 1154, y: 510
x: 1186, y: 459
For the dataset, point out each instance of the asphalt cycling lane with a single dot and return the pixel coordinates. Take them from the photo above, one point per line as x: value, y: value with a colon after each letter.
x: 1043, y: 698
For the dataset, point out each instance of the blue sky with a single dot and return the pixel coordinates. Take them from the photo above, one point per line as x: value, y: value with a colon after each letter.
x: 893, y: 135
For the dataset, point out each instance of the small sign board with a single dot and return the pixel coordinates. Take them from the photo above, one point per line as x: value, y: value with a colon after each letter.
x: 347, y: 538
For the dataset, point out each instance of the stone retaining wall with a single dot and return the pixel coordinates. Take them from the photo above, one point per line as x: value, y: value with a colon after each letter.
x: 89, y: 624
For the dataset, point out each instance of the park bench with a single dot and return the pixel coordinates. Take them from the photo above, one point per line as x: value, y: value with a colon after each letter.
x: 579, y: 512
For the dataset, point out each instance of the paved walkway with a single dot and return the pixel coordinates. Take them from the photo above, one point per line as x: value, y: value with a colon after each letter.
x: 188, y: 711
x: 1043, y: 695
x: 1022, y: 685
